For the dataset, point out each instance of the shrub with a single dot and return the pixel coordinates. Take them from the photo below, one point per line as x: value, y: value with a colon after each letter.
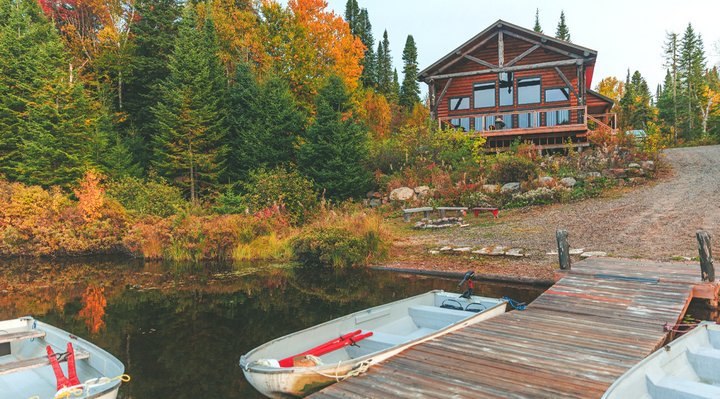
x: 287, y: 190
x: 153, y: 197
x: 512, y: 168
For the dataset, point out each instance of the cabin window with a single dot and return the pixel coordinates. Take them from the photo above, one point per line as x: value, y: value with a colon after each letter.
x: 506, y: 93
x: 527, y: 119
x: 554, y: 95
x: 528, y: 91
x: 484, y: 94
x: 459, y: 103
x: 554, y: 118
x: 462, y: 123
x: 492, y: 122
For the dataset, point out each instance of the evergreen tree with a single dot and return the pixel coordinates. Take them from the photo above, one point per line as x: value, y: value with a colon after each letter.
x: 336, y: 147
x: 691, y: 70
x: 265, y: 124
x: 352, y: 12
x: 668, y: 105
x: 410, y: 90
x: 537, y: 27
x: 562, y: 32
x: 369, y: 62
x: 153, y: 41
x: 384, y: 68
x: 666, y: 101
x: 636, y: 103
x: 188, y: 147
x: 395, y: 93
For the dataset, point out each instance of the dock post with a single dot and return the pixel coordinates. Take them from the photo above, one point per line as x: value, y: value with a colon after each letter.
x: 563, y: 249
x: 707, y: 270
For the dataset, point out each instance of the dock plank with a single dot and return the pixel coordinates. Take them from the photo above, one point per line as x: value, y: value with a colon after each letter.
x: 573, y: 341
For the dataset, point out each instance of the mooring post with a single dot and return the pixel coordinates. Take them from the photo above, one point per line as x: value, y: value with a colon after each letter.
x: 707, y: 270
x: 563, y: 249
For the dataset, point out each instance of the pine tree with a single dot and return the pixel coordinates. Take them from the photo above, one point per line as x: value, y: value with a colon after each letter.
x: 636, y: 103
x: 336, y: 147
x: 188, y: 146
x: 352, y: 12
x: 410, y: 90
x: 562, y: 32
x: 669, y: 103
x: 369, y: 62
x: 395, y: 91
x: 384, y: 68
x: 537, y: 27
x: 243, y: 126
x: 691, y: 69
x: 153, y: 41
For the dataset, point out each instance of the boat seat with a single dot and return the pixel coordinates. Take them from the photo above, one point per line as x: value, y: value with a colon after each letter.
x: 22, y: 335
x: 705, y: 363
x: 33, y: 363
x: 435, y: 317
x: 677, y: 388
x: 386, y: 338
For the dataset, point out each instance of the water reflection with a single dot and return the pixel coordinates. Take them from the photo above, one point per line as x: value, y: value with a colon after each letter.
x: 181, y: 330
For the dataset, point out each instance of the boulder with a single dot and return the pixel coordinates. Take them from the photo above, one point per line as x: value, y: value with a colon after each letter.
x: 402, y: 194
x: 568, y: 182
x: 648, y: 165
x: 546, y: 181
x: 510, y: 187
x: 375, y: 202
x: 576, y: 251
x: 634, y: 166
x: 462, y: 249
x: 490, y: 188
x: 422, y: 191
x: 445, y: 249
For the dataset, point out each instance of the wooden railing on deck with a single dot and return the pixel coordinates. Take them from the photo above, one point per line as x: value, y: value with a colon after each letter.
x: 538, y: 118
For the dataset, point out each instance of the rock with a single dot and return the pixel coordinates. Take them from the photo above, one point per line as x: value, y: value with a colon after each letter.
x: 593, y: 175
x: 433, y: 252
x: 402, y: 194
x: 422, y: 191
x: 419, y: 225
x: 568, y: 182
x: 483, y: 251
x: 634, y: 166
x: 593, y: 254
x: 445, y: 249
x: 648, y: 165
x: 518, y: 252
x: 490, y: 188
x: 576, y: 251
x: 498, y: 250
x: 546, y: 181
x: 375, y: 202
x: 510, y: 187
x: 462, y: 249
x: 465, y: 225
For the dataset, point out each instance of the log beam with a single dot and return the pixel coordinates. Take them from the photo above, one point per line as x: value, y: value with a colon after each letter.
x: 523, y: 55
x: 461, y: 55
x: 479, y: 61
x: 501, y: 49
x: 567, y: 82
x: 545, y: 46
x: 506, y: 69
x: 442, y: 94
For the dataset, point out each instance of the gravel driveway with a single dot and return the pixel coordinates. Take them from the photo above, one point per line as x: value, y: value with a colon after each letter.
x: 656, y: 221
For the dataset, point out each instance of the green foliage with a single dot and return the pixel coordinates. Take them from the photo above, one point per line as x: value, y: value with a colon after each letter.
x: 537, y: 28
x: 288, y: 190
x: 635, y: 103
x: 512, y: 168
x: 334, y: 247
x: 562, y: 32
x: 384, y: 69
x: 410, y: 90
x: 336, y: 147
x: 147, y: 197
x: 152, y: 43
x: 189, y: 148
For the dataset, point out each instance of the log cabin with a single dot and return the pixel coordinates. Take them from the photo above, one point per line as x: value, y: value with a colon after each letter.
x: 510, y: 83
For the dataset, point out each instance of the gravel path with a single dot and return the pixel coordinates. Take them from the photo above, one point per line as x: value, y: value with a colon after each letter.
x: 657, y: 221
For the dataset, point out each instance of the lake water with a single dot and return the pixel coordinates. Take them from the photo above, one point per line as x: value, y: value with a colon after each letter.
x: 180, y: 329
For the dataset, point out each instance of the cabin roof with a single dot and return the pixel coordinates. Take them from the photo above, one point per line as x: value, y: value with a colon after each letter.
x: 600, y: 96
x: 584, y: 52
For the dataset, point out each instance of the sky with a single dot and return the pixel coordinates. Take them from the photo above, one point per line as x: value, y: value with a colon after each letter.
x: 625, y: 33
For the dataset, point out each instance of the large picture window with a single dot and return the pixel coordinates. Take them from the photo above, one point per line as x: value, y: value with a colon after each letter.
x: 484, y: 95
x: 528, y: 91
x: 459, y: 103
x: 555, y: 95
x: 554, y: 118
x: 527, y: 119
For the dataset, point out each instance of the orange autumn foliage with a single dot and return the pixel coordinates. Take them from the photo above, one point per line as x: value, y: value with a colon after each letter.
x: 93, y: 310
x: 91, y: 196
x: 375, y: 112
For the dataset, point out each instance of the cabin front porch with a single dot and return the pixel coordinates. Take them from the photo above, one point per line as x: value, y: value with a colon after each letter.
x: 548, y: 128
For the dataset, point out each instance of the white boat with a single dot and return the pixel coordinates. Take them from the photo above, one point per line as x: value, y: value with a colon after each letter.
x: 37, y: 362
x: 687, y: 368
x: 376, y: 334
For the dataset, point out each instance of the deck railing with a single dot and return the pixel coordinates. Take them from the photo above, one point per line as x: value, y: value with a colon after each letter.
x: 524, y: 119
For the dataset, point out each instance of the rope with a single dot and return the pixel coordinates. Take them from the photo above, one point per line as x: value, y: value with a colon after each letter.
x: 79, y: 390
x: 515, y: 304
x: 667, y: 327
x: 360, y: 368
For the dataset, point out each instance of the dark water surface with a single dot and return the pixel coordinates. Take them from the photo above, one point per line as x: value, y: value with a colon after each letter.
x: 181, y: 330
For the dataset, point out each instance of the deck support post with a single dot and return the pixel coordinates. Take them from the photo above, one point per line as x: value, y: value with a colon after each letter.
x: 707, y: 269
x: 563, y: 249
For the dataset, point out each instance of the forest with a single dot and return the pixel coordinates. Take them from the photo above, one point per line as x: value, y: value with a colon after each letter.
x: 251, y: 130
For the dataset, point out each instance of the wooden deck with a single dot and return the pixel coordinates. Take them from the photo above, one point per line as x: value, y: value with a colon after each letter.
x: 573, y: 341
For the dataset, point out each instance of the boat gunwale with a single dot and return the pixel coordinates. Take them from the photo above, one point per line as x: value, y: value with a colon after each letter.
x: 260, y: 369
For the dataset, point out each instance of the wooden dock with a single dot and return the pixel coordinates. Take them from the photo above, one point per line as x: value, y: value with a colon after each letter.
x: 573, y: 341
